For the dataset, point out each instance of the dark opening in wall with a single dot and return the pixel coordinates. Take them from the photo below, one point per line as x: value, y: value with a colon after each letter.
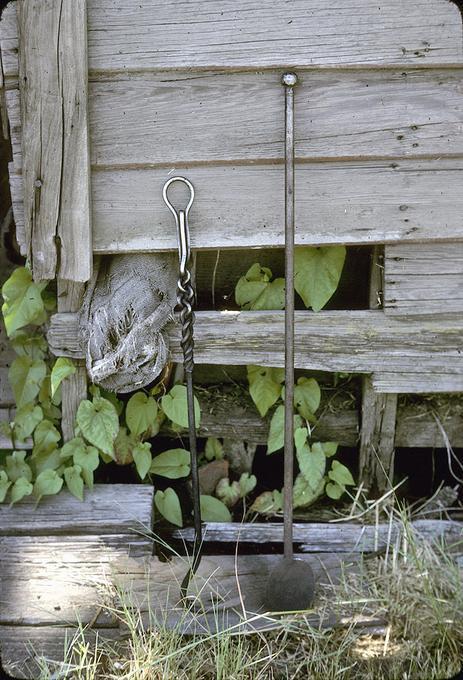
x: 217, y: 274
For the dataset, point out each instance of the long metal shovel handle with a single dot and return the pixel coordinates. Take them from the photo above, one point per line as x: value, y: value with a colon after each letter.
x: 289, y: 80
x: 185, y: 301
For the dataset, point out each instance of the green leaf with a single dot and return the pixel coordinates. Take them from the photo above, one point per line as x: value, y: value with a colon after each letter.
x: 276, y: 435
x: 334, y: 491
x: 173, y: 464
x: 214, y: 449
x: 256, y: 291
x: 228, y: 493
x: 86, y: 457
x: 247, y: 483
x: 21, y: 488
x: 304, y: 494
x: 307, y: 397
x: 213, y: 510
x: 48, y: 483
x: 32, y: 346
x: 268, y: 503
x: 46, y: 438
x: 124, y: 445
x: 142, y: 458
x: 26, y: 420
x: 312, y: 464
x: 62, y: 369
x: 48, y: 460
x: 174, y: 405
x: 265, y: 386
x: 23, y: 300
x: 26, y: 376
x: 168, y: 504
x: 300, y: 437
x: 317, y: 273
x: 16, y: 467
x: 140, y: 413
x: 4, y: 485
x: 99, y: 423
x: 340, y: 473
x: 329, y: 448
x: 88, y: 477
x: 74, y: 481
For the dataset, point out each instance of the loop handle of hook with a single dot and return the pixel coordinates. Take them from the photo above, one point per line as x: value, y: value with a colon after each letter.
x: 181, y: 219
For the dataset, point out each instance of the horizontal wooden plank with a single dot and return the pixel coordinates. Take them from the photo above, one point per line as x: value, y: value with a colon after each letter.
x: 418, y: 423
x: 230, y: 591
x: 109, y: 509
x: 402, y: 382
x: 243, y: 206
x: 23, y: 647
x: 177, y: 34
x: 343, y: 537
x: 188, y: 117
x: 356, y: 342
x: 423, y: 278
x: 61, y: 579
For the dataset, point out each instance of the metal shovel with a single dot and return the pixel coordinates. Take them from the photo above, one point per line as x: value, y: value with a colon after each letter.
x: 291, y: 583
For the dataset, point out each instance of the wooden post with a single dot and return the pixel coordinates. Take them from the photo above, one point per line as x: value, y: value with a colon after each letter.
x: 53, y: 81
x: 74, y: 388
x: 378, y: 413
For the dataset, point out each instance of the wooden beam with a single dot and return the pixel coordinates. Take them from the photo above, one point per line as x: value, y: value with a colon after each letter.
x: 355, y: 342
x: 423, y: 278
x: 74, y: 389
x: 53, y: 76
x: 143, y: 120
x: 121, y: 508
x: 342, y: 537
x: 241, y: 206
x: 246, y: 35
x: 401, y: 382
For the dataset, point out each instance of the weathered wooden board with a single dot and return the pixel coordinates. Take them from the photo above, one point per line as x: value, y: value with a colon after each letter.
x: 53, y: 83
x: 61, y: 579
x: 74, y: 389
x: 340, y: 537
x: 24, y: 647
x: 177, y: 34
x: 417, y: 424
x: 109, y: 509
x: 243, y: 206
x: 227, y: 592
x: 423, y: 278
x: 190, y: 117
x: 6, y: 393
x: 416, y: 383
x: 357, y: 342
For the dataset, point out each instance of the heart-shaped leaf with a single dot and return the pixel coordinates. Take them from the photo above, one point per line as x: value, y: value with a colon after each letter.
x: 317, y: 273
x: 4, y: 485
x: 74, y: 481
x: 213, y: 510
x: 334, y: 491
x: 304, y: 494
x: 265, y: 386
x: 142, y: 458
x: 268, y: 503
x: 21, y: 488
x: 307, y: 397
x: 312, y: 464
x: 214, y: 449
x: 140, y: 413
x: 62, y: 369
x: 276, y: 435
x: 46, y: 438
x: 175, y: 406
x: 48, y: 483
x: 99, y: 423
x: 17, y: 468
x: 341, y: 474
x: 168, y: 504
x: 173, y: 464
x: 26, y: 420
x: 247, y: 483
x: 26, y: 376
x: 228, y: 493
x: 23, y: 300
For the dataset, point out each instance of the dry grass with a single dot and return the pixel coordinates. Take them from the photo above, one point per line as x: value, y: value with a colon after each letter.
x: 414, y: 588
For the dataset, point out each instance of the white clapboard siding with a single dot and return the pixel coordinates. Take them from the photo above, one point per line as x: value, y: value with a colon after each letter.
x: 155, y: 34
x: 240, y: 206
x: 423, y: 278
x: 356, y: 342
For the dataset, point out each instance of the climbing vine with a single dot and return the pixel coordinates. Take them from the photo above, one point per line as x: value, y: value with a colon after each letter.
x: 107, y: 430
x: 317, y: 272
